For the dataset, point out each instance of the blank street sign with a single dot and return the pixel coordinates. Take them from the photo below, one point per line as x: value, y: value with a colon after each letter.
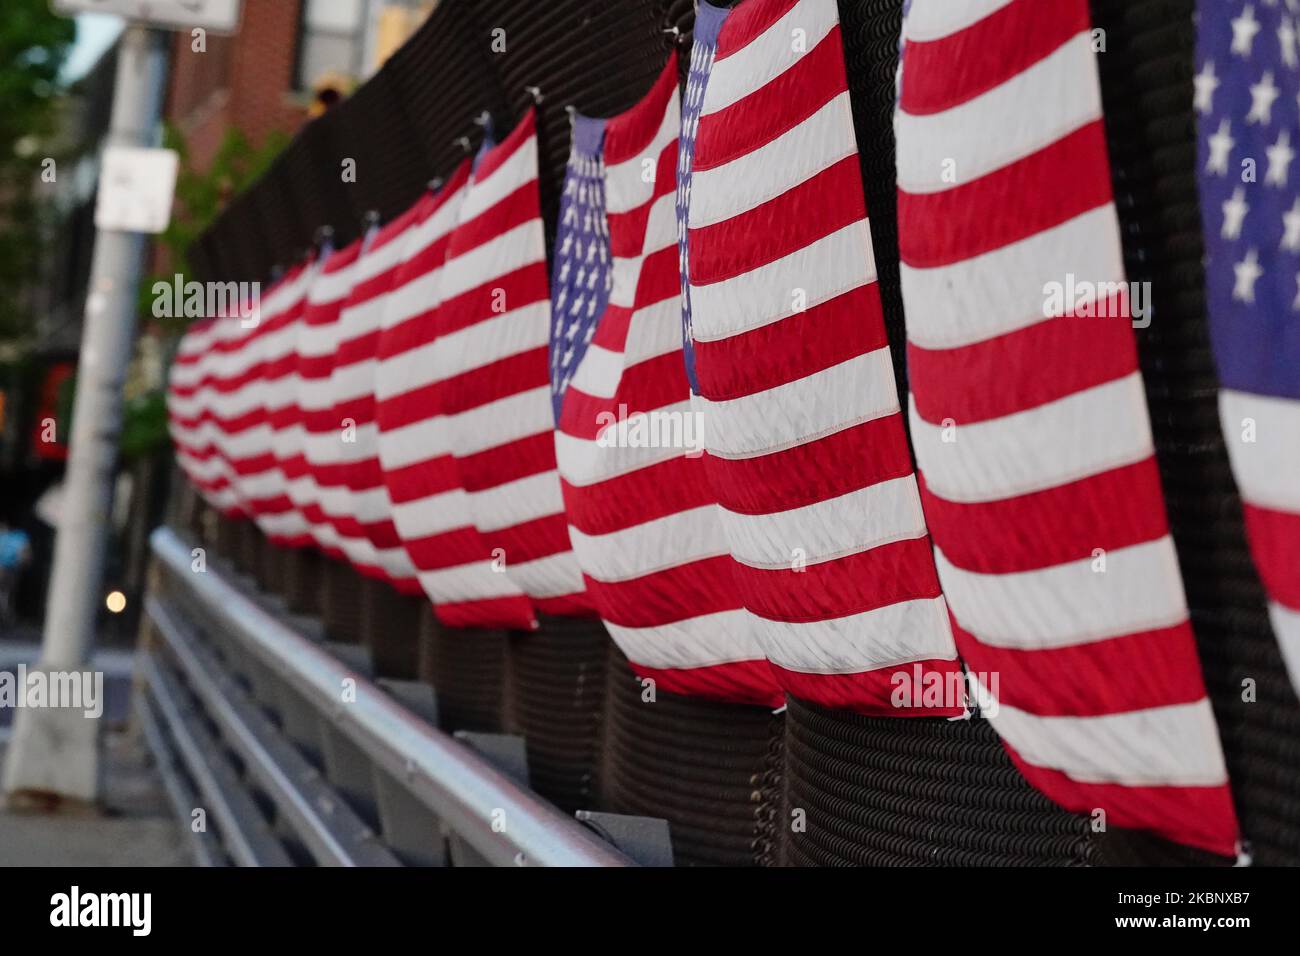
x: 135, y: 189
x: 217, y: 16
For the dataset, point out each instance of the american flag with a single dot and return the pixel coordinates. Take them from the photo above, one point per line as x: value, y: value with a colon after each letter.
x: 268, y: 491
x: 1030, y: 424
x: 583, y: 275
x: 431, y: 509
x: 185, y: 407
x: 356, y: 498
x: 490, y: 357
x: 256, y: 386
x: 807, y: 452
x: 644, y: 523
x: 317, y: 443
x: 1248, y: 74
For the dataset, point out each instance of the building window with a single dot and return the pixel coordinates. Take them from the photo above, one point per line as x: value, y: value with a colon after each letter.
x: 332, y: 41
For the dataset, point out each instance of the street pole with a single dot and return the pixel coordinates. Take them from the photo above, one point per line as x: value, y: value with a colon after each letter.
x: 54, y: 751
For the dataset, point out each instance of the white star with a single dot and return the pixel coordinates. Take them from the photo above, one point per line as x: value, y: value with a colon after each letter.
x: 1206, y: 84
x: 1291, y: 219
x: 1221, y: 144
x: 1286, y: 37
x: 1262, y: 96
x: 1244, y: 29
x: 1234, y: 214
x: 1280, y: 155
x: 1248, y: 273
x: 1295, y: 306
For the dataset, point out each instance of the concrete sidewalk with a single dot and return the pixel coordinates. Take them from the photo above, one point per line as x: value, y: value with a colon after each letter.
x: 135, y: 826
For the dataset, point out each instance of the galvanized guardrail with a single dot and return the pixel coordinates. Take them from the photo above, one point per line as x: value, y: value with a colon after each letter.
x: 310, y: 760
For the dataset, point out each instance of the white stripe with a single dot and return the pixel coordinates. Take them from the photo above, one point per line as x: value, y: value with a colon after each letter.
x: 724, y: 637
x: 1078, y: 436
x: 858, y: 390
x: 514, y: 502
x: 417, y: 442
x: 769, y: 54
x: 816, y: 273
x: 861, y: 520
x: 929, y: 20
x: 512, y: 250
x: 1069, y: 604
x: 655, y: 330
x: 1286, y: 625
x: 895, y: 634
x: 503, y: 421
x: 1175, y: 746
x: 468, y: 582
x: 483, y: 342
x: 994, y: 129
x: 599, y: 372
x: 971, y: 301
x: 655, y: 545
x: 436, y: 514
x: 1267, y: 467
x: 553, y: 576
x: 723, y: 192
x: 584, y: 462
x: 626, y: 187
x: 520, y: 168
x: 413, y: 298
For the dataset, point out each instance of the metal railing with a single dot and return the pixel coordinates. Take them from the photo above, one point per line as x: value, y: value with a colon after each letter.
x: 352, y: 774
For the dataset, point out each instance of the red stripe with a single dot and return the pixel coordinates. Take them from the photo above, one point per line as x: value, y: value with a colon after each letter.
x: 991, y: 51
x: 507, y: 376
x: 516, y: 209
x: 679, y: 593
x: 845, y: 461
x: 1198, y: 816
x: 495, y: 297
x: 627, y: 134
x: 1093, y: 679
x: 514, y: 612
x: 736, y: 682
x: 516, y: 459
x: 1115, y: 509
x: 795, y: 347
x: 1007, y: 205
x: 1052, y: 359
x: 874, y: 692
x: 793, y: 220
x: 853, y: 584
x: 1275, y: 543
x: 776, y: 108
x: 648, y: 386
x: 746, y: 23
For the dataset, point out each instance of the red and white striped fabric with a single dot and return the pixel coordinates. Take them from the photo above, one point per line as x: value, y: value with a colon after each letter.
x: 322, y: 433
x: 354, y: 496
x: 184, y: 408
x: 431, y: 510
x: 490, y: 357
x: 807, y: 451
x: 266, y: 488
x: 644, y: 523
x: 1030, y: 422
x: 248, y: 445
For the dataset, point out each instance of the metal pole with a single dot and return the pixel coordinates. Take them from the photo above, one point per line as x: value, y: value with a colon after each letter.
x: 54, y: 751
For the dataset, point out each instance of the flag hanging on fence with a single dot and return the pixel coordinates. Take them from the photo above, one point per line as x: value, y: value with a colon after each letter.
x: 1248, y: 72
x: 321, y: 433
x: 644, y: 523
x: 356, y: 498
x: 1030, y: 423
x: 184, y: 407
x: 268, y: 491
x: 431, y: 509
x: 490, y: 356
x: 251, y: 453
x: 806, y: 447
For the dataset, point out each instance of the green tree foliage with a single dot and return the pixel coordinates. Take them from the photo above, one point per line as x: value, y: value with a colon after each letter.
x: 34, y: 43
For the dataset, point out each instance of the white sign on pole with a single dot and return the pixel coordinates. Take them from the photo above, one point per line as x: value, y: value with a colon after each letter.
x: 217, y: 16
x: 135, y: 189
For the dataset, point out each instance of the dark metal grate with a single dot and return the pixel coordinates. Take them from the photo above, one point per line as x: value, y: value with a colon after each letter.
x: 340, y: 601
x: 467, y: 670
x: 1146, y: 75
x: 390, y: 627
x: 555, y: 689
x: 886, y: 791
x: 302, y: 574
x: 699, y: 764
